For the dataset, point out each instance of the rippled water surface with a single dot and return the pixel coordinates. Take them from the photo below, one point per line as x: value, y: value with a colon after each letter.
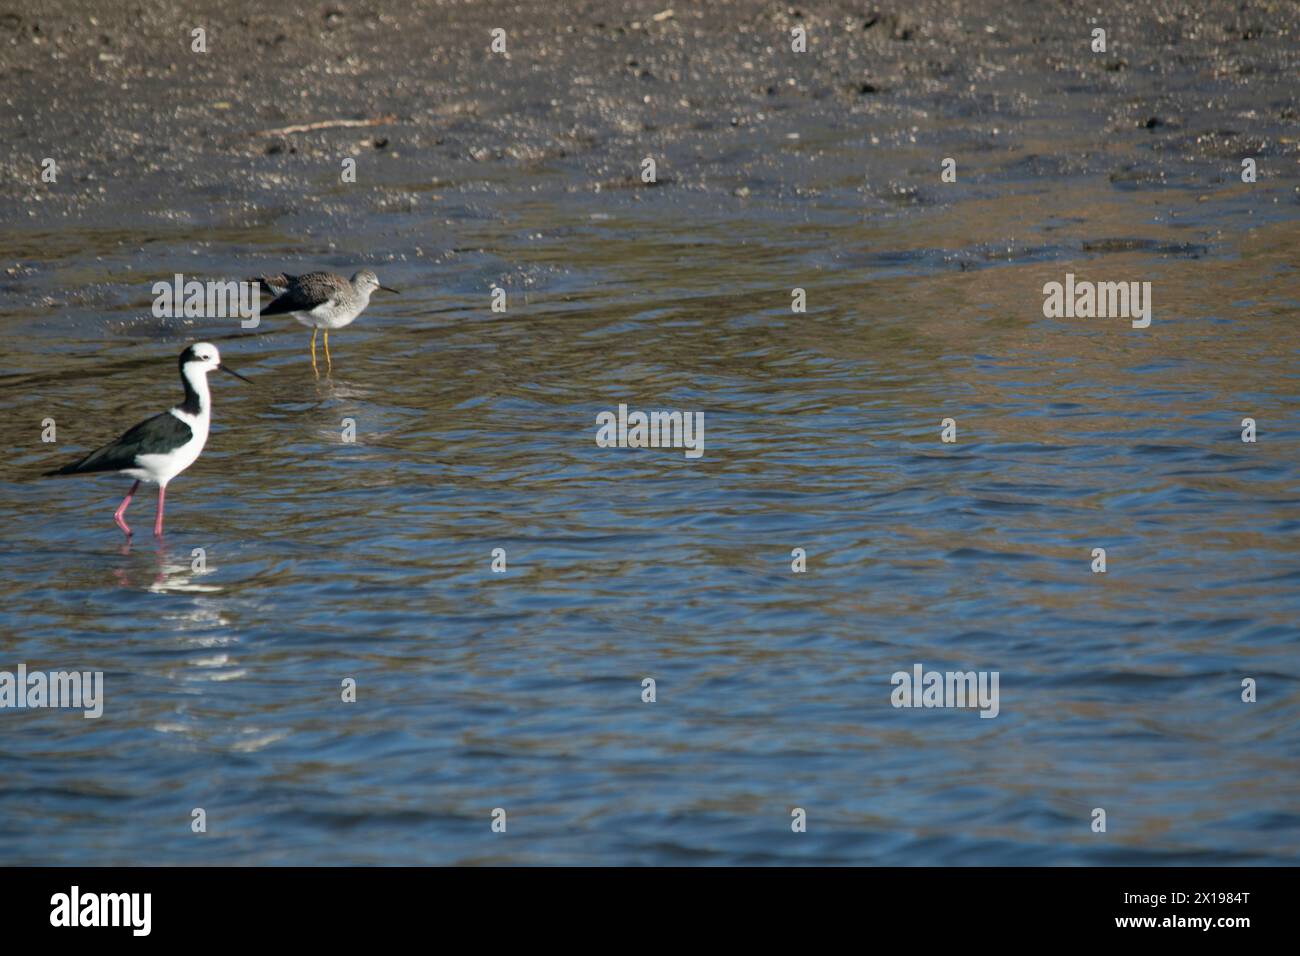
x: 371, y: 560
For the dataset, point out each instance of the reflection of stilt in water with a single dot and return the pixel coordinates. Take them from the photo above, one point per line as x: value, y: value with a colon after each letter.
x: 166, y: 575
x: 182, y: 574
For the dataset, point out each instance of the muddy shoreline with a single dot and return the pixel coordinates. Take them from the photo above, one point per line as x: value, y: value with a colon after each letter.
x: 140, y: 125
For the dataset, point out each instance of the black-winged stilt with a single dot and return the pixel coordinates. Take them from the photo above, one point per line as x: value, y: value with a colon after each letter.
x: 321, y: 300
x: 160, y: 448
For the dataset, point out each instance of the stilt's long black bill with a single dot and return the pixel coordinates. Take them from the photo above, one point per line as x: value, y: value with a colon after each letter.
x: 386, y: 289
x: 227, y: 368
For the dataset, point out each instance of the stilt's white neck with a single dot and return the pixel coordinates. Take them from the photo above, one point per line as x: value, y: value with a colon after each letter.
x: 198, y: 400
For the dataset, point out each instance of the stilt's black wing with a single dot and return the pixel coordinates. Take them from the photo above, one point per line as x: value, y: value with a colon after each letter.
x: 152, y: 436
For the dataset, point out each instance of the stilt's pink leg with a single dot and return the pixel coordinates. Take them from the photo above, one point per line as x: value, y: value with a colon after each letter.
x: 157, y: 525
x: 121, y: 510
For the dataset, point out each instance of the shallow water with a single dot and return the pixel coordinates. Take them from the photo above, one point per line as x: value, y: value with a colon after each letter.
x: 371, y: 560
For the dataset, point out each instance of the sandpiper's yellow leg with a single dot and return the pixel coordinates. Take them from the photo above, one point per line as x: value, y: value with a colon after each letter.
x: 329, y: 362
x: 313, y: 351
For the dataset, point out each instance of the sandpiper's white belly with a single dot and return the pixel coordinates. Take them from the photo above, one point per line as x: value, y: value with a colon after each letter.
x: 329, y: 315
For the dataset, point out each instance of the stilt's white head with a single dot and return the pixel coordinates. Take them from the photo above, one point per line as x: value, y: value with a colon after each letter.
x: 200, y: 359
